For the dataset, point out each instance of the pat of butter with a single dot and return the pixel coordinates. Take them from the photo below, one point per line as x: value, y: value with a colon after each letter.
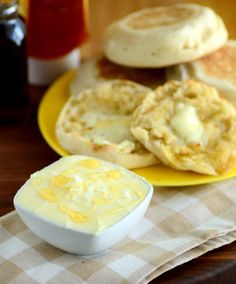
x: 82, y: 193
x: 113, y: 130
x: 187, y: 123
x: 107, y: 128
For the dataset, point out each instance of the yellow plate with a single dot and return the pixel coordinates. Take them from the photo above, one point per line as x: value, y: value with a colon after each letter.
x: 160, y: 175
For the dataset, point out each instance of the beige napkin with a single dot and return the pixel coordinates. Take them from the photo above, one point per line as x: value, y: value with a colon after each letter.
x: 180, y: 224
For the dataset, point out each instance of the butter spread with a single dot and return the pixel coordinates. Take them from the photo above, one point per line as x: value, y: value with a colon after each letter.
x: 187, y: 123
x: 106, y: 128
x: 83, y: 193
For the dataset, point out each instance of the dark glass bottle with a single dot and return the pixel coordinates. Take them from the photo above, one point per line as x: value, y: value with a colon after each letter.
x: 13, y: 63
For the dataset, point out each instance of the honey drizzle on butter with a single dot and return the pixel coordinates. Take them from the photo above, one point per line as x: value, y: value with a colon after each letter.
x: 64, y: 188
x: 49, y: 195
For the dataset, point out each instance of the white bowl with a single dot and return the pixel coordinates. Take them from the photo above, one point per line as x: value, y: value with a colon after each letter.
x: 79, y: 242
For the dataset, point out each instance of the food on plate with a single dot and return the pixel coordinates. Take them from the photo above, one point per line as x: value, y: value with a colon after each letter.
x: 99, y: 69
x: 217, y: 69
x: 188, y: 126
x: 83, y: 193
x: 117, y: 113
x: 96, y: 122
x: 164, y: 35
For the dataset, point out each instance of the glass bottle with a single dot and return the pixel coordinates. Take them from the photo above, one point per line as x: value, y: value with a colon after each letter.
x: 53, y: 39
x: 13, y: 63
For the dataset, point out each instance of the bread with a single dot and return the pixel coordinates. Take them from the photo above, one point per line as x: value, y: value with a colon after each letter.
x: 96, y: 122
x: 217, y: 69
x: 188, y: 127
x: 163, y: 36
x: 98, y: 70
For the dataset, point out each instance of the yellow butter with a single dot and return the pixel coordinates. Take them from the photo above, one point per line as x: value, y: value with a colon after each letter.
x: 114, y: 174
x: 60, y: 180
x: 108, y: 128
x: 187, y: 123
x: 90, y: 163
x: 85, y: 193
x: 48, y: 195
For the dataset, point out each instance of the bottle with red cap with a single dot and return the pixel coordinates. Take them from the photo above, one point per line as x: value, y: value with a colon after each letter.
x: 55, y: 30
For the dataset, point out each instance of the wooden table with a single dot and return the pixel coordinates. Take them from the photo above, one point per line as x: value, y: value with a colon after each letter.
x: 24, y: 151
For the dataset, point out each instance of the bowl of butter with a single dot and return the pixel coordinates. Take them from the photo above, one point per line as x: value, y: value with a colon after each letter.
x: 83, y: 205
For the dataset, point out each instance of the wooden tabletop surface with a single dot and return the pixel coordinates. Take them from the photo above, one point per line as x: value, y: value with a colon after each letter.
x: 24, y: 151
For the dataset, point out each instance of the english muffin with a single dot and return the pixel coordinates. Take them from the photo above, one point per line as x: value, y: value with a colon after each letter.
x: 217, y: 69
x: 164, y: 35
x: 96, y: 122
x: 99, y: 69
x: 188, y: 126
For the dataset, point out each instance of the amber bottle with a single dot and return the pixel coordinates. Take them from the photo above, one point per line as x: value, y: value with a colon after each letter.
x: 13, y: 63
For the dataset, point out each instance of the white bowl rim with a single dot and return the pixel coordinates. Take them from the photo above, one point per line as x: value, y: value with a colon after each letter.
x: 51, y: 222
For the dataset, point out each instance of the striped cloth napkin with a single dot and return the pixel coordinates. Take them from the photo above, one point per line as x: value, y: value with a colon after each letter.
x: 180, y: 224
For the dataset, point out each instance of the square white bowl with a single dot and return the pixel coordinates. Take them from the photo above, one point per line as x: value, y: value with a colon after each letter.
x: 78, y: 242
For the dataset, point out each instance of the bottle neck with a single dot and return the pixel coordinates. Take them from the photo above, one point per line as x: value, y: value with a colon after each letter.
x: 8, y: 10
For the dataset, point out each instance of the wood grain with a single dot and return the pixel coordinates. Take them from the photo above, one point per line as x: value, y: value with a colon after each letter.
x: 22, y: 151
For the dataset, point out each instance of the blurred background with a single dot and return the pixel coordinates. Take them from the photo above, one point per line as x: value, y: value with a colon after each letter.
x: 101, y: 13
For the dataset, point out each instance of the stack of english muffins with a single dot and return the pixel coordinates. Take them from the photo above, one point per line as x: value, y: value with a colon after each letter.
x: 159, y: 94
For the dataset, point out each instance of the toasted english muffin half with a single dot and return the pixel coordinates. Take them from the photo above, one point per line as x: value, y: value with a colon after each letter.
x: 188, y: 126
x: 164, y: 35
x: 217, y: 69
x: 96, y: 122
x: 99, y: 69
